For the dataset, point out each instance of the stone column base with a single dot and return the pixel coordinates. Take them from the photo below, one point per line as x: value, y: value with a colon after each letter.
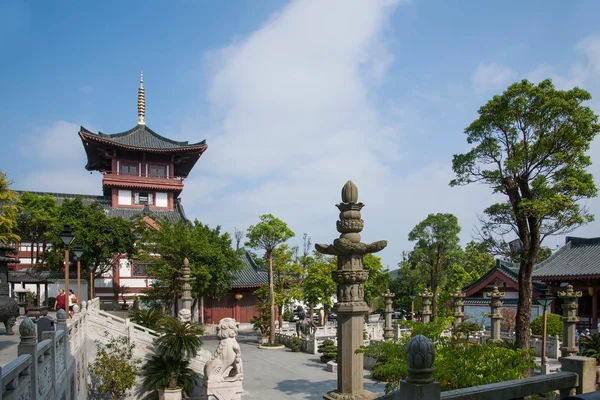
x: 223, y: 390
x: 364, y: 395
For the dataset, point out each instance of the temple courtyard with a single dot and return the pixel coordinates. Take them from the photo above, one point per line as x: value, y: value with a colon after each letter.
x: 268, y: 374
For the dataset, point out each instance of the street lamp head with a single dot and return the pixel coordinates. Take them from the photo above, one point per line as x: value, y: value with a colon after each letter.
x: 78, y: 251
x: 545, y: 299
x: 412, y: 296
x: 67, y: 235
x: 516, y: 246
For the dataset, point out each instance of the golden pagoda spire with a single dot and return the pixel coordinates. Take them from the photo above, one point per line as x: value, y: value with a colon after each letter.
x: 141, y: 101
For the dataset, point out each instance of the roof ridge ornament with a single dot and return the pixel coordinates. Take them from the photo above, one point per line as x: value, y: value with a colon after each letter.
x: 141, y: 101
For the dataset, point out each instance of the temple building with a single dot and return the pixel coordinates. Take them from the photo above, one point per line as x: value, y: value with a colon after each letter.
x: 577, y: 263
x: 143, y: 174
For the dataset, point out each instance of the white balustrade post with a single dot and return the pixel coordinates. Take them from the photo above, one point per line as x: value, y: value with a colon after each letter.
x: 129, y: 328
x: 28, y: 345
x: 61, y: 324
x: 52, y: 336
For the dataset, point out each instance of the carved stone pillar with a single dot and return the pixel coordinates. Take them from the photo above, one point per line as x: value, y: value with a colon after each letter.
x: 495, y: 316
x: 426, y: 297
x: 457, y: 307
x: 351, y: 307
x: 185, y: 314
x: 388, y: 331
x: 570, y: 319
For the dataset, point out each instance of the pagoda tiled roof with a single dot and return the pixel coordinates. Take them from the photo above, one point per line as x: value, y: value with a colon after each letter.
x: 251, y: 275
x: 579, y: 257
x: 142, y: 137
x: 127, y: 213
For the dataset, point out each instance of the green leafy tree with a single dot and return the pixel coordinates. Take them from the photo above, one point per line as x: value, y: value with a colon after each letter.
x: 436, y: 250
x: 318, y: 284
x: 530, y: 144
x: 104, y: 239
x: 38, y: 223
x: 269, y: 233
x: 114, y: 370
x: 554, y: 325
x: 286, y: 274
x: 378, y: 282
x: 8, y: 211
x: 477, y: 260
x: 212, y: 260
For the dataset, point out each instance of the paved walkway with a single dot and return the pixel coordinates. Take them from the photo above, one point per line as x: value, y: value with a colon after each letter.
x: 281, y: 374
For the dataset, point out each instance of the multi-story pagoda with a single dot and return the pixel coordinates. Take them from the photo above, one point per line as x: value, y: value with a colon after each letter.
x: 140, y: 167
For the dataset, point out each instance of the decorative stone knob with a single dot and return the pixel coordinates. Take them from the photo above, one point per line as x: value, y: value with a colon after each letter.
x: 84, y: 305
x: 420, y: 356
x: 61, y: 315
x: 350, y: 193
x: 27, y: 328
x: 186, y: 262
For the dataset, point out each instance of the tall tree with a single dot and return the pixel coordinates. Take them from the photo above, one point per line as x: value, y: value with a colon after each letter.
x: 269, y: 233
x: 530, y: 144
x: 436, y: 249
x: 104, y: 239
x: 38, y: 223
x: 286, y: 277
x: 212, y: 260
x: 378, y: 282
x: 318, y: 284
x: 8, y: 211
x: 238, y: 235
x: 477, y: 259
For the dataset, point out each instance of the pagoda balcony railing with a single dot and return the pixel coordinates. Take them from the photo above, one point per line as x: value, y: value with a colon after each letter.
x: 112, y: 177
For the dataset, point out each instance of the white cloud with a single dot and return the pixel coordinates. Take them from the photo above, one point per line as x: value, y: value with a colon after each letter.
x: 60, y: 159
x: 491, y: 76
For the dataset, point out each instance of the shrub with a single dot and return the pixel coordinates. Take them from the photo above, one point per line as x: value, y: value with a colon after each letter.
x: 591, y: 346
x: 296, y: 344
x: 151, y: 318
x: 554, y: 325
x: 467, y: 328
x: 114, y: 370
x: 479, y: 364
x: 329, y: 350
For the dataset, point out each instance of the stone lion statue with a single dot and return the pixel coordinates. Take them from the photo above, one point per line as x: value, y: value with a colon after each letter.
x: 184, y: 315
x: 226, y: 363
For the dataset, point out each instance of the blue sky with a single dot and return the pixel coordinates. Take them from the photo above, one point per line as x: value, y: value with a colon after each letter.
x: 293, y: 98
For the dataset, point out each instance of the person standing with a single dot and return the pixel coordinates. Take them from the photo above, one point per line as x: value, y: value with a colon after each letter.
x: 60, y: 301
x: 72, y: 301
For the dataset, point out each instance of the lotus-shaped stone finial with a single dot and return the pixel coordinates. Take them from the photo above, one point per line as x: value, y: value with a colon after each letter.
x: 27, y: 328
x: 419, y: 353
x: 350, y: 193
x: 61, y: 315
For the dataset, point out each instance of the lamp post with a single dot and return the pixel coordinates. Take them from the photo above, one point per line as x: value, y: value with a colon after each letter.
x: 67, y: 237
x: 412, y: 306
x: 78, y: 251
x: 544, y: 300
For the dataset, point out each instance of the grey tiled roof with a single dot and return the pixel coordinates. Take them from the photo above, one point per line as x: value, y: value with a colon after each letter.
x: 481, y: 301
x: 578, y: 257
x: 144, y: 138
x: 508, y: 269
x: 251, y: 275
x: 33, y: 276
x: 127, y: 213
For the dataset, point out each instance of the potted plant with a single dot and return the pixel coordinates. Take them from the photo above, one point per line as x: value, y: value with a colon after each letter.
x: 262, y: 323
x: 329, y: 351
x: 296, y: 344
x: 167, y: 370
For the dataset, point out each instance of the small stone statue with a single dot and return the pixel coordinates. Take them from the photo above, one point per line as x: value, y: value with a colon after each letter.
x: 184, y: 315
x: 226, y: 363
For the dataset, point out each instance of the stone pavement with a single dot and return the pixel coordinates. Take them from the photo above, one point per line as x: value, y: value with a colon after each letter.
x: 281, y: 374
